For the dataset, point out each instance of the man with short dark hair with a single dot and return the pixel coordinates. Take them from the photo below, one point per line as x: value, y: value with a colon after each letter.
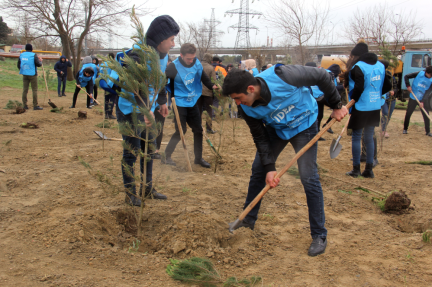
x: 186, y: 74
x: 278, y: 107
x: 422, y: 85
x: 219, y: 68
x: 27, y: 64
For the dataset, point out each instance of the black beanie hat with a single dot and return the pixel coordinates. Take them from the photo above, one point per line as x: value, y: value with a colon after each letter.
x: 161, y: 28
x: 360, y: 49
x: 311, y: 64
x: 29, y: 47
x: 216, y: 59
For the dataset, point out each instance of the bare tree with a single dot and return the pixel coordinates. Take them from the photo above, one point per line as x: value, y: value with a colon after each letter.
x: 380, y: 25
x: 71, y: 20
x: 301, y: 21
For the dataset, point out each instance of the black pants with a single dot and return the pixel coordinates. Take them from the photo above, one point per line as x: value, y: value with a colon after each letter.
x: 412, y: 104
x: 159, y: 119
x: 204, y: 103
x: 191, y: 116
x: 75, y: 96
x: 95, y: 88
x: 110, y: 100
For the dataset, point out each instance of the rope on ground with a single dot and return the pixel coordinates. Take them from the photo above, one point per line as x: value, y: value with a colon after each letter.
x: 356, y: 184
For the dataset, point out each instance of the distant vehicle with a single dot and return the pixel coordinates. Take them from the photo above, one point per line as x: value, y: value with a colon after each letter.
x: 2, y: 51
x: 17, y: 48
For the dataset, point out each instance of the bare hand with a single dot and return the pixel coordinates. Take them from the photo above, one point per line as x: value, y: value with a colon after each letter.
x: 163, y: 110
x: 91, y: 96
x: 40, y: 59
x: 271, y: 180
x: 421, y: 105
x: 61, y: 72
x: 215, y: 87
x: 339, y: 114
x: 409, y: 89
x: 147, y: 121
x: 392, y: 93
x: 67, y: 60
x: 79, y: 86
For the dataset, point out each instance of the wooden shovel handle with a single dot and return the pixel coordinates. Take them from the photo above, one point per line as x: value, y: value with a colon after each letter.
x: 87, y: 94
x: 420, y: 106
x: 181, y: 133
x: 344, y: 128
x: 288, y: 165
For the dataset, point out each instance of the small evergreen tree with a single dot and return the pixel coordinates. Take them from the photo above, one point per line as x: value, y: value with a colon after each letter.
x: 140, y: 79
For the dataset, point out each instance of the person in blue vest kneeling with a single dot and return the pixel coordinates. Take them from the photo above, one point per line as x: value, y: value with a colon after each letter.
x: 367, y: 83
x: 27, y: 65
x: 278, y: 107
x: 186, y: 74
x: 422, y: 85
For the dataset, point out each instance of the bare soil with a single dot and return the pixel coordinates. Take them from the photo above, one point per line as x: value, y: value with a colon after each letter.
x: 62, y: 224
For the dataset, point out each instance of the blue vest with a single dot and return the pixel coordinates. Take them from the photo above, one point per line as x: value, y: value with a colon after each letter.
x: 187, y: 84
x: 27, y: 67
x: 255, y: 72
x: 316, y: 92
x: 291, y: 109
x: 126, y: 106
x: 108, y: 85
x: 91, y: 65
x: 370, y: 99
x: 420, y: 85
x: 82, y: 78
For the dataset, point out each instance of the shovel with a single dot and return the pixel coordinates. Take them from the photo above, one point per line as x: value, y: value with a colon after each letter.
x: 237, y: 222
x: 88, y: 94
x: 335, y: 146
x: 421, y: 107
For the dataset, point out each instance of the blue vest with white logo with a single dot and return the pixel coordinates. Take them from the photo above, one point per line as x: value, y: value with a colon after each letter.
x: 27, y: 67
x: 108, y: 85
x: 291, y: 109
x: 91, y: 65
x: 255, y: 72
x: 187, y: 84
x: 420, y: 85
x: 83, y: 79
x: 316, y: 92
x: 126, y: 106
x: 370, y: 99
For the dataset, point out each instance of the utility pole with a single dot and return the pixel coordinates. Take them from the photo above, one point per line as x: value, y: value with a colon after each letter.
x: 210, y: 28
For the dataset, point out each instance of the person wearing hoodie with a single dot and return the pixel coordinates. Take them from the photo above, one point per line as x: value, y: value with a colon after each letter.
x: 335, y: 70
x: 27, y: 65
x: 206, y: 99
x: 160, y: 36
x: 367, y: 81
x: 61, y: 68
x: 83, y: 81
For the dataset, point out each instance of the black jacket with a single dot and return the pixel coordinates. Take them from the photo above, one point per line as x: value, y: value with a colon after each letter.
x: 37, y: 63
x: 360, y: 119
x: 295, y: 75
x: 62, y: 67
x: 171, y: 73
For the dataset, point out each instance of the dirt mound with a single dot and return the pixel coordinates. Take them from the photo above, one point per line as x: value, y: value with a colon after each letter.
x: 397, y: 202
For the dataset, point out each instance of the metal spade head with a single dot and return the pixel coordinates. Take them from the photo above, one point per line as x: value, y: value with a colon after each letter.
x: 52, y: 104
x: 335, y: 148
x: 101, y: 135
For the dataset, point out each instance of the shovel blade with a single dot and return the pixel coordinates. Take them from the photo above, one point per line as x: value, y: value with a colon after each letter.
x: 101, y: 135
x: 52, y: 105
x: 233, y: 226
x: 335, y: 148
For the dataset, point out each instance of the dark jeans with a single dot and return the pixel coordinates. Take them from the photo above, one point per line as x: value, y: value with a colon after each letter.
x: 386, y: 113
x: 75, y: 96
x: 368, y: 142
x: 130, y: 154
x: 34, y: 86
x: 307, y: 165
x: 159, y: 119
x: 204, y: 103
x: 110, y: 100
x: 191, y: 116
x: 60, y: 81
x: 412, y: 104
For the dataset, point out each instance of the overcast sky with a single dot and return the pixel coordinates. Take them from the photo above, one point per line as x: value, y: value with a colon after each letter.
x: 340, y: 11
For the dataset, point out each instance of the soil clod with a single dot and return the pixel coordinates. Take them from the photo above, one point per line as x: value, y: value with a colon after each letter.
x: 19, y: 110
x: 82, y: 114
x: 397, y: 202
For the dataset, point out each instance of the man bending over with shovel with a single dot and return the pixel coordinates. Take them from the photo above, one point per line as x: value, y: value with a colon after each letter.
x: 279, y: 109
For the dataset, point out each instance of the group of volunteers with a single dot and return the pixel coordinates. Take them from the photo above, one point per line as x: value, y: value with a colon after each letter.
x: 281, y: 104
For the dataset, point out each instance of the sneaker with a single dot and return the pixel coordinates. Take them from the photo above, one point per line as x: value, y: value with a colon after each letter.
x: 318, y: 246
x: 89, y: 107
x: 169, y: 161
x: 64, y: 95
x: 37, y: 108
x: 60, y: 96
x: 330, y: 131
x: 72, y: 107
x: 110, y: 117
x: 211, y: 132
x: 405, y: 132
x: 26, y: 108
x: 429, y: 134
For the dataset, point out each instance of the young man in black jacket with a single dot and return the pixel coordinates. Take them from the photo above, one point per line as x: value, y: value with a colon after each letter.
x: 61, y: 68
x: 185, y: 75
x: 278, y: 107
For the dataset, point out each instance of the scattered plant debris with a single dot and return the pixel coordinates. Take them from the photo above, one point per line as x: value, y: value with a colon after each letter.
x: 29, y: 125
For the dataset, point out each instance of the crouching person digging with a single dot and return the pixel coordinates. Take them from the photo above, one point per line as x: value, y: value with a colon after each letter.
x: 278, y: 107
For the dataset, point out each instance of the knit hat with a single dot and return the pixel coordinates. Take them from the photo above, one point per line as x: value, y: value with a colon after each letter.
x: 161, y: 28
x: 29, y: 47
x: 311, y: 64
x: 335, y: 69
x: 216, y: 59
x: 360, y: 49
